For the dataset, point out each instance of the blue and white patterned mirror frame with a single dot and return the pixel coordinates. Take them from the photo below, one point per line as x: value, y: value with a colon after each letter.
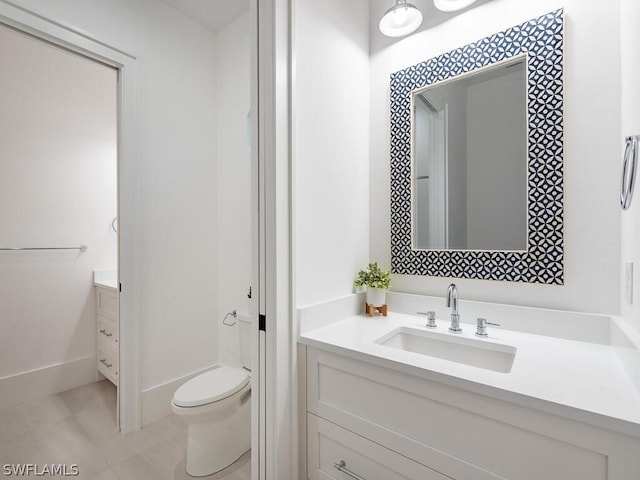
x: 541, y: 39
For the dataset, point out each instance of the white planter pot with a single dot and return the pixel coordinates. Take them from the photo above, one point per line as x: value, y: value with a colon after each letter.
x: 375, y: 296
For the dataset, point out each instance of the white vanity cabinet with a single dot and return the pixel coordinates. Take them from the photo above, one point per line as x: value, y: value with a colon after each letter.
x: 108, y: 342
x: 386, y: 424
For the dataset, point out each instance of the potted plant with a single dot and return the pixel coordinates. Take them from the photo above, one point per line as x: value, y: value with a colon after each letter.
x: 377, y: 282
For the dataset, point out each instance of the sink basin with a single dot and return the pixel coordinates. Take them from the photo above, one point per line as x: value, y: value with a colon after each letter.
x: 468, y: 351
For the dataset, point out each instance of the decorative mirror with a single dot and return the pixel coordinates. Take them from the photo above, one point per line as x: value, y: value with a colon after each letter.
x: 477, y: 159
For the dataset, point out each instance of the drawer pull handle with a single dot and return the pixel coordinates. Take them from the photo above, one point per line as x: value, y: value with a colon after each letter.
x: 104, y: 362
x: 104, y: 332
x: 342, y: 467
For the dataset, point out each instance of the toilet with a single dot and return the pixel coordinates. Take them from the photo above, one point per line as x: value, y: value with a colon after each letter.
x: 217, y: 406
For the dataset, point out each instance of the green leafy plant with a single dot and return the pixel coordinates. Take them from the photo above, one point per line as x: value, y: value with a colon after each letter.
x: 373, y: 277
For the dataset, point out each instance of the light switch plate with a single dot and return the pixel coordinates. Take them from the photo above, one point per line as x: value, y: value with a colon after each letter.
x: 628, y: 282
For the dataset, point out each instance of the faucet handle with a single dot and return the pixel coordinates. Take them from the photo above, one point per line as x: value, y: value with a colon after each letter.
x: 481, y: 329
x: 431, y: 318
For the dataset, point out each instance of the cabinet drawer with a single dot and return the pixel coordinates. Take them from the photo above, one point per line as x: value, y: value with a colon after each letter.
x: 107, y: 303
x: 329, y: 445
x: 108, y: 362
x: 108, y: 331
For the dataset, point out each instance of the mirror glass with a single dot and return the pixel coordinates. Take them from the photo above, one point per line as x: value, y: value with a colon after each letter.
x: 469, y: 160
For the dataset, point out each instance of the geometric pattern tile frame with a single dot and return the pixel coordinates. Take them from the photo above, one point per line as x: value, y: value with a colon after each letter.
x: 541, y: 39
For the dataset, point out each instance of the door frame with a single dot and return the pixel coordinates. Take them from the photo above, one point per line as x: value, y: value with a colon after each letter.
x: 276, y: 383
x: 76, y: 41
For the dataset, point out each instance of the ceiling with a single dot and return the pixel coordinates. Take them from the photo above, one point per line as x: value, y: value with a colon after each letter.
x: 216, y: 14
x: 213, y: 14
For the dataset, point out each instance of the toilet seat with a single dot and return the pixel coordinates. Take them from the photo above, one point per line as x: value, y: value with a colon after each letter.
x: 210, y: 387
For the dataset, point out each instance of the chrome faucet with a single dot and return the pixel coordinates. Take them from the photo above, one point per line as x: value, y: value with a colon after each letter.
x: 452, y: 301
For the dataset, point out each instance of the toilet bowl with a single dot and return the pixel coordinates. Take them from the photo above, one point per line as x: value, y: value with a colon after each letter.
x: 217, y: 407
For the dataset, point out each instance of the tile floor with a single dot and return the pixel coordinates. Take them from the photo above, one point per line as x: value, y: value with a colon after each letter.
x: 78, y: 427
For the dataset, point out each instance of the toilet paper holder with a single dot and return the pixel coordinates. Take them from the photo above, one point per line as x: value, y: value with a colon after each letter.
x: 233, y: 314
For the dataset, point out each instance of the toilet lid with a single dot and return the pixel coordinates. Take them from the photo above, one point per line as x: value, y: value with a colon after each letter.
x: 210, y: 387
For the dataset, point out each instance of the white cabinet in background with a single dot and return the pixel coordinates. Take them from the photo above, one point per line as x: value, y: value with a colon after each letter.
x: 387, y: 424
x: 108, y: 333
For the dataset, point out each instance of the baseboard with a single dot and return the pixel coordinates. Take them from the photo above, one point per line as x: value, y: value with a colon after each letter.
x: 28, y: 386
x: 156, y: 401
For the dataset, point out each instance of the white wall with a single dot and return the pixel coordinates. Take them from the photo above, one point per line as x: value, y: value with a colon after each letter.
x: 176, y: 138
x: 58, y: 188
x: 592, y: 149
x: 330, y: 146
x: 234, y: 180
x: 630, y: 95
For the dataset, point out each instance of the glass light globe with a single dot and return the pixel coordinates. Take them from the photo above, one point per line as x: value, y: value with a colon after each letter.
x: 401, y: 19
x: 452, y: 5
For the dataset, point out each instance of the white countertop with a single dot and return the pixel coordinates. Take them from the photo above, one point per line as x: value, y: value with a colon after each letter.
x: 106, y: 279
x: 576, y: 379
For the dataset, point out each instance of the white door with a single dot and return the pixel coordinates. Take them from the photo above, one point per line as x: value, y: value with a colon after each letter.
x: 429, y: 175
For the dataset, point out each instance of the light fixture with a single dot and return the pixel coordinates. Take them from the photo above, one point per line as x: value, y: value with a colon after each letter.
x: 452, y: 5
x: 401, y: 19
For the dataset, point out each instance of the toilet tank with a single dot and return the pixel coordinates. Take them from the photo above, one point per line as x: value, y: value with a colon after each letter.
x: 244, y: 323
